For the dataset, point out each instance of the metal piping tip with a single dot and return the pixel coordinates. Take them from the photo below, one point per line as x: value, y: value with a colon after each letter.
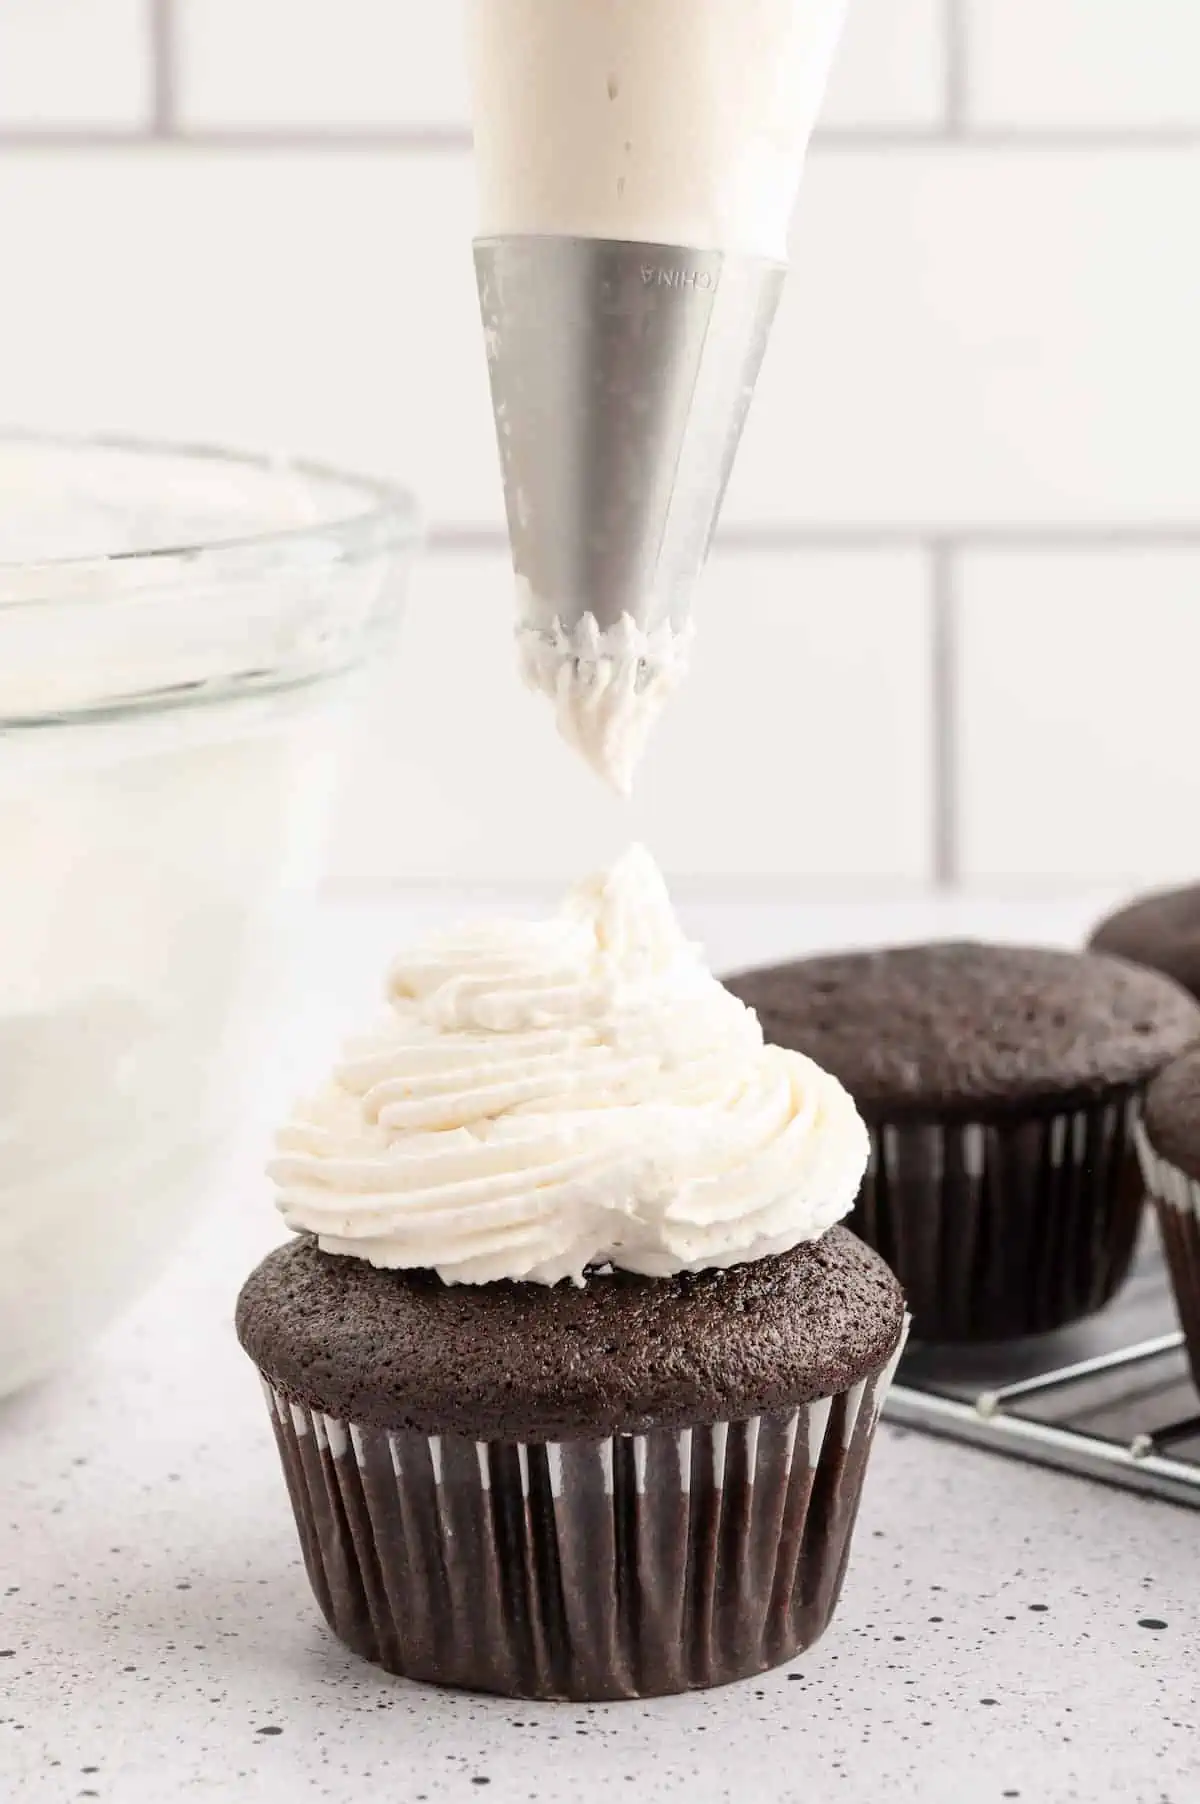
x: 621, y: 377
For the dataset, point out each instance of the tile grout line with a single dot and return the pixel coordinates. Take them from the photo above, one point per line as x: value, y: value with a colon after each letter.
x: 163, y: 28
x: 452, y: 539
x: 956, y: 70
x: 944, y: 741
x: 449, y: 140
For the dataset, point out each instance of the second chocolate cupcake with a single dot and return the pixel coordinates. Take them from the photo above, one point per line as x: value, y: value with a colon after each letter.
x: 1169, y: 1143
x: 1160, y: 930
x: 1001, y: 1086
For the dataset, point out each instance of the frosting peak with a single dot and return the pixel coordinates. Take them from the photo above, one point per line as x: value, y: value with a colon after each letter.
x: 608, y: 688
x: 545, y: 1096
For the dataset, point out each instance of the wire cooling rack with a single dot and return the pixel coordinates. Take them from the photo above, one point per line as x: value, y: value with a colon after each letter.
x: 1111, y: 1400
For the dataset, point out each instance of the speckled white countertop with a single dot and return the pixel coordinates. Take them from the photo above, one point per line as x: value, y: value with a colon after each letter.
x: 1005, y: 1633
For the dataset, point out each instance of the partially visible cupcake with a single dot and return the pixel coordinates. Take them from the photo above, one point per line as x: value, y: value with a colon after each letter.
x: 1160, y: 930
x: 1169, y: 1143
x: 573, y: 1376
x: 1001, y: 1086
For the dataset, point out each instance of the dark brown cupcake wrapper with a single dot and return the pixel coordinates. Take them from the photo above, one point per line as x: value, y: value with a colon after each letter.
x: 633, y: 1566
x: 1177, y: 1205
x: 1000, y: 1229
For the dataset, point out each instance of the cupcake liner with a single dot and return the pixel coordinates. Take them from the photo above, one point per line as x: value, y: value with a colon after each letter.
x: 999, y: 1229
x: 631, y: 1566
x: 1177, y: 1204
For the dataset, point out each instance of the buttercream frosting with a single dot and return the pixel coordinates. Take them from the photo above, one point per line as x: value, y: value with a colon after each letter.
x: 545, y: 1097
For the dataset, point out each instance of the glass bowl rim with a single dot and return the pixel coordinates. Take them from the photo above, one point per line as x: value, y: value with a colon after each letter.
x: 390, y: 512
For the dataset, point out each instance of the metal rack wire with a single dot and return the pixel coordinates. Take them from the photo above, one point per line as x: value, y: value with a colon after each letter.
x: 1112, y: 1400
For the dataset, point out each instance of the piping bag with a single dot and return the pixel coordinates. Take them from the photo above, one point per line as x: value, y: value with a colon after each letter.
x: 638, y: 163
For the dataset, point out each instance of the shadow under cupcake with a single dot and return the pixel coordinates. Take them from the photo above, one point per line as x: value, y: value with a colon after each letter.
x: 1002, y: 1086
x: 572, y: 1374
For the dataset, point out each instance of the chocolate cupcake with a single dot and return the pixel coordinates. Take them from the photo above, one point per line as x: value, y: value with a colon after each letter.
x: 1161, y: 931
x: 1001, y: 1086
x: 573, y: 1376
x: 1169, y: 1144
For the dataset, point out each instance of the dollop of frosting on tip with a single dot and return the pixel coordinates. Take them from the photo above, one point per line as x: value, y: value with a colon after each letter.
x: 608, y: 688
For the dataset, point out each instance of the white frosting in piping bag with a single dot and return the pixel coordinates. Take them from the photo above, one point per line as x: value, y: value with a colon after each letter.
x: 608, y: 689
x: 542, y: 1097
x: 664, y: 121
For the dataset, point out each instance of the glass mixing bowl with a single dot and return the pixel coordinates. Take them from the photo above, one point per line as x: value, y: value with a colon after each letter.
x: 182, y: 635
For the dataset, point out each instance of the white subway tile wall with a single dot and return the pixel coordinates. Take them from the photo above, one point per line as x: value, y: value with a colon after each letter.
x: 977, y: 337
x: 891, y: 69
x: 1070, y: 65
x: 949, y: 633
x: 348, y: 66
x: 365, y: 66
x: 1077, y: 718
x: 83, y: 64
x: 289, y: 300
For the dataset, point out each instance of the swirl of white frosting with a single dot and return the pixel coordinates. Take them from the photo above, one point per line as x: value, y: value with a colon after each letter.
x: 547, y: 1096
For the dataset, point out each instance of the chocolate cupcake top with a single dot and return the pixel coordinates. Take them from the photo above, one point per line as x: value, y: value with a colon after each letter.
x: 403, y: 1350
x: 542, y: 1097
x: 962, y: 1029
x: 1162, y: 931
x: 1173, y: 1114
